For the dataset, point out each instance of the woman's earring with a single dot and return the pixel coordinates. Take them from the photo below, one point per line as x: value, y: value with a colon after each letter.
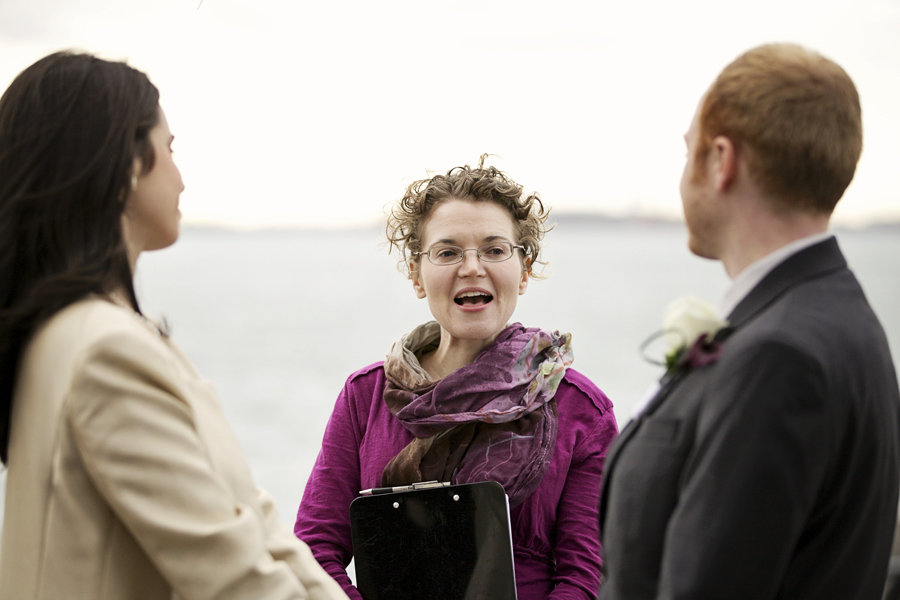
x: 133, y: 182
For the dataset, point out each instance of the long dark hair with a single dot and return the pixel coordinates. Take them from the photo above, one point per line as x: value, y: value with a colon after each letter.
x: 71, y: 126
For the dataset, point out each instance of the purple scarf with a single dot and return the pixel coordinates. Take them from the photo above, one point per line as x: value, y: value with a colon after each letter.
x: 490, y: 420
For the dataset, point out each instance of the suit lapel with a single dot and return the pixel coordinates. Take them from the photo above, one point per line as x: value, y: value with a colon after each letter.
x: 667, y: 384
x: 809, y: 263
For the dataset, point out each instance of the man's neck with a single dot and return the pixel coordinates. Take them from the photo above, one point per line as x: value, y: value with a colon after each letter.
x: 759, y: 234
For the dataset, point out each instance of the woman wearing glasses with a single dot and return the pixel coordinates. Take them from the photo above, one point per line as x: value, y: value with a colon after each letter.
x: 469, y: 397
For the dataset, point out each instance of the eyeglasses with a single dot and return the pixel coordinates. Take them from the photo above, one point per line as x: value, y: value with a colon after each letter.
x: 492, y: 252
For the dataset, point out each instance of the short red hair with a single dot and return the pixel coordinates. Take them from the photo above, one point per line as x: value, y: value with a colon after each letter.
x: 795, y: 117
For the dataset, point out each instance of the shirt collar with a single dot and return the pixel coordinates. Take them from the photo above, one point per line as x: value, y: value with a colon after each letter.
x: 748, y: 279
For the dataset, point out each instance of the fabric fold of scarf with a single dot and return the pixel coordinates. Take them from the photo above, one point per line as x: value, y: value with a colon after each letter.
x: 491, y: 420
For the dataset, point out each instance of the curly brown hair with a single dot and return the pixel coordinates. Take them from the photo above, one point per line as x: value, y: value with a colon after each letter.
x: 481, y: 184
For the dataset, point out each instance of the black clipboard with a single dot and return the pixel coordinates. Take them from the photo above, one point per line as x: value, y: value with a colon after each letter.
x: 433, y: 540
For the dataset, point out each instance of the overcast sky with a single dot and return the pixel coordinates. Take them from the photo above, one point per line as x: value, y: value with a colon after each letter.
x: 289, y: 112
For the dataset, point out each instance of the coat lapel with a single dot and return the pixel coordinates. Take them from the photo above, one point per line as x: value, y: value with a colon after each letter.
x: 809, y: 263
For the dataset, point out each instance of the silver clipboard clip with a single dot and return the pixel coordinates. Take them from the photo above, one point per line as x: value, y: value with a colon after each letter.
x: 422, y: 485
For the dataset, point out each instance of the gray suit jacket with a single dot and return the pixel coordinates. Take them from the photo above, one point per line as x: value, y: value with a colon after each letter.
x: 772, y: 473
x: 125, y: 481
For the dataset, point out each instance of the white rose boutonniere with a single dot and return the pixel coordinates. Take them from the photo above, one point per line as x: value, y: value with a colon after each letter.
x: 687, y: 320
x: 689, y: 328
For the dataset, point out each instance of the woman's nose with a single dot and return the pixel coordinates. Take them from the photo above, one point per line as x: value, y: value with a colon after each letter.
x: 470, y: 262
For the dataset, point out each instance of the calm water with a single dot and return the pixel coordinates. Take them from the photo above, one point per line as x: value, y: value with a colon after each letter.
x: 279, y: 320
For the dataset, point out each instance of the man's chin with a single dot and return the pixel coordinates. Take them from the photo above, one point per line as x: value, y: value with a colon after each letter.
x: 699, y: 249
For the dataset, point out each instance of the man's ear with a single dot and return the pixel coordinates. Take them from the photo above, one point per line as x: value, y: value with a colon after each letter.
x: 414, y: 276
x: 725, y: 159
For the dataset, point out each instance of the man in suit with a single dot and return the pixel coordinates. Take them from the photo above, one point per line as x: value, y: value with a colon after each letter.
x: 767, y: 464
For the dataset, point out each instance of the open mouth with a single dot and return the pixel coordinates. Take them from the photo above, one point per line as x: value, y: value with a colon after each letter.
x: 472, y: 298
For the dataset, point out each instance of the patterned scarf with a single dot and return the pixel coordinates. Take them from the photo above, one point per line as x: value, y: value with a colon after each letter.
x: 490, y: 420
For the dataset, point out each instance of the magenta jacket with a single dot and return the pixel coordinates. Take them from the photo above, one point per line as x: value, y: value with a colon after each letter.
x: 555, y: 531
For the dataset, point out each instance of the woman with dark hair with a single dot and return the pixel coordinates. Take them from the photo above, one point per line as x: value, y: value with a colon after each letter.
x: 124, y: 480
x: 470, y: 397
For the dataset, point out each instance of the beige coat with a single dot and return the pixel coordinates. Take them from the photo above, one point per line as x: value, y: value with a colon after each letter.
x: 125, y: 481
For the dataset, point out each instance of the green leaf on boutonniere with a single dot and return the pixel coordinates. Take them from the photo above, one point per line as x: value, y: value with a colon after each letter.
x: 689, y: 329
x: 673, y: 356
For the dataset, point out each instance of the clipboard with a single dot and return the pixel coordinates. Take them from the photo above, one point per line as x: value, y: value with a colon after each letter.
x: 433, y: 540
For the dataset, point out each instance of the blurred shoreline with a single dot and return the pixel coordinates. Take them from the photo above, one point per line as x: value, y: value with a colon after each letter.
x: 570, y: 220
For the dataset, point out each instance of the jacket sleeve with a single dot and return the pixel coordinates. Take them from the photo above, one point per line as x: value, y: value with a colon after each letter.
x: 138, y: 439
x: 284, y: 546
x: 577, y: 551
x: 323, y: 518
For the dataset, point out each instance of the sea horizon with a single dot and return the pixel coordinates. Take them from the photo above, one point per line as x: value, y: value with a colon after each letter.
x: 556, y: 218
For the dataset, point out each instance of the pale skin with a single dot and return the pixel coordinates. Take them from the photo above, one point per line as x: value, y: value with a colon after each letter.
x: 151, y: 217
x: 729, y: 217
x: 467, y: 326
